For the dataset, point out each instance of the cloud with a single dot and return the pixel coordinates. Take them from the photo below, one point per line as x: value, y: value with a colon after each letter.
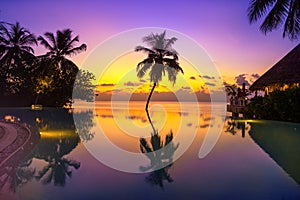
x: 107, y: 84
x: 192, y: 78
x: 226, y: 84
x: 129, y: 83
x: 240, y: 79
x: 256, y: 76
x: 143, y: 81
x: 204, y: 126
x: 210, y: 84
x: 136, y: 117
x: 106, y: 116
x: 208, y: 77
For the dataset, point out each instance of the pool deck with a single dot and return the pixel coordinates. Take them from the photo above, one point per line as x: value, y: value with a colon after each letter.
x: 8, y: 134
x: 13, y: 137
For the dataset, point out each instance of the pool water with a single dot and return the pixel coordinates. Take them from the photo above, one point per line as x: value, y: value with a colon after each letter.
x: 243, y: 159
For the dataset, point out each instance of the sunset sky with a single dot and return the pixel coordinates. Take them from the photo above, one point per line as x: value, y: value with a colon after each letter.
x: 221, y: 28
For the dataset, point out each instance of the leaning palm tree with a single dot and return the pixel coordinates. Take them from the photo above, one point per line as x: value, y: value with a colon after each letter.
x: 161, y: 58
x: 277, y: 13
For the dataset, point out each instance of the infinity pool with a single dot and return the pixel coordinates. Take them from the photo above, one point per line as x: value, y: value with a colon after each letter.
x: 100, y: 153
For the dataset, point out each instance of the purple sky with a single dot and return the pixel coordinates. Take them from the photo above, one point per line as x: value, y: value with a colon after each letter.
x: 221, y: 27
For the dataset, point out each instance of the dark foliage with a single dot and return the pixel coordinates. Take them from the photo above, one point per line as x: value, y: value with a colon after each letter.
x: 278, y: 105
x: 26, y: 79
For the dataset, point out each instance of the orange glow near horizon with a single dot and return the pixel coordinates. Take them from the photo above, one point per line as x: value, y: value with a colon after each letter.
x: 121, y: 75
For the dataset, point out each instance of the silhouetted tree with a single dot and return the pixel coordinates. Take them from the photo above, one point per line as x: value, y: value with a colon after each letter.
x: 277, y: 13
x: 161, y: 58
x: 84, y: 123
x: 83, y: 86
x: 57, y: 67
x: 16, y: 58
x: 160, y: 154
x: 53, y: 151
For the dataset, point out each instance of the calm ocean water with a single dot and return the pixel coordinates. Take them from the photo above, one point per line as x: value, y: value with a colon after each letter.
x: 84, y: 154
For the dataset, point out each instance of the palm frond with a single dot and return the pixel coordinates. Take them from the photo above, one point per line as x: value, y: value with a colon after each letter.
x: 51, y: 38
x: 172, y: 53
x: 142, y: 69
x: 45, y: 43
x: 144, y: 146
x: 258, y: 8
x: 28, y: 39
x: 145, y: 49
x: 173, y: 64
x: 28, y: 49
x: 63, y: 38
x: 70, y: 43
x: 292, y: 22
x: 275, y: 17
x: 156, y: 142
x: 7, y: 34
x: 76, y: 50
x: 172, y: 74
x: 149, y: 59
x: 170, y: 42
x: 150, y: 40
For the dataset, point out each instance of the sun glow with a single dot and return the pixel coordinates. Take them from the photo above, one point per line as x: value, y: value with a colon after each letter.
x: 120, y: 76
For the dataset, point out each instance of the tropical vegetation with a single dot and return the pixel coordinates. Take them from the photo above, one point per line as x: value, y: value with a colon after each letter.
x: 277, y: 105
x: 26, y: 78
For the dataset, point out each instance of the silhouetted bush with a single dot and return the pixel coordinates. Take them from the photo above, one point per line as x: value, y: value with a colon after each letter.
x: 278, y: 105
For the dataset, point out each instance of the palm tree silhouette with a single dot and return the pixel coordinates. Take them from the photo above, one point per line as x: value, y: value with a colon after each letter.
x: 60, y: 46
x: 161, y: 58
x: 16, y: 55
x: 16, y: 175
x: 59, y: 170
x: 277, y: 13
x: 15, y: 44
x: 59, y: 68
x: 233, y: 126
x: 58, y: 167
x: 160, y: 154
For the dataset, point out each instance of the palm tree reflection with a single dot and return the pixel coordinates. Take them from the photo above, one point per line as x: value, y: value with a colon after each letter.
x: 59, y: 170
x: 14, y: 176
x: 58, y: 167
x: 160, y: 154
x: 58, y: 139
x: 234, y: 125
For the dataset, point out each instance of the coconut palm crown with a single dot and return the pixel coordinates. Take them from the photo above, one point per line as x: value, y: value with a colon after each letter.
x: 161, y: 59
x: 15, y: 43
x: 61, y: 45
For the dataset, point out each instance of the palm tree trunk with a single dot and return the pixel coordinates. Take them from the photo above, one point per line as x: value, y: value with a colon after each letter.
x: 149, y: 97
x: 154, y: 132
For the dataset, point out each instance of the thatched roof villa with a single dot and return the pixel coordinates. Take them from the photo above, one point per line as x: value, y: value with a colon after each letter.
x: 285, y: 73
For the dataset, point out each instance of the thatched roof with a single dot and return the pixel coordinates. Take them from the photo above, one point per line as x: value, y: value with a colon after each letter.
x: 286, y: 71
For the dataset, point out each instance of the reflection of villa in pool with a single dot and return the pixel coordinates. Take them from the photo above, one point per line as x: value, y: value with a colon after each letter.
x: 281, y: 141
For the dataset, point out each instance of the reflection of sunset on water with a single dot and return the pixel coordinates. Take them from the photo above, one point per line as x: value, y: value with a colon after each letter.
x: 122, y: 126
x: 136, y: 116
